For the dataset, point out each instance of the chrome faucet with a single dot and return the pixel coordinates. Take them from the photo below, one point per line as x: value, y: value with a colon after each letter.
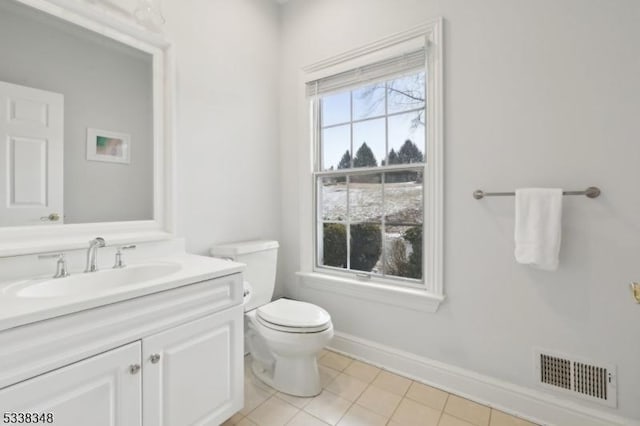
x: 92, y: 254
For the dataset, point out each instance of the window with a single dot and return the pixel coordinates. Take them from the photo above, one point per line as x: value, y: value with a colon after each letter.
x: 369, y: 170
x: 371, y: 216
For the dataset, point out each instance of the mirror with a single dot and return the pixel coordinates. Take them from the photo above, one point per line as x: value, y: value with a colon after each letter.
x: 76, y: 123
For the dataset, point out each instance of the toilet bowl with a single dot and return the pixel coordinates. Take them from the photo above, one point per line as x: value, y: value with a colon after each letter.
x: 284, y: 338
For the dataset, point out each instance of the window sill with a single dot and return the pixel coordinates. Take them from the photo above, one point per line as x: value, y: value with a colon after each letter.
x: 417, y: 300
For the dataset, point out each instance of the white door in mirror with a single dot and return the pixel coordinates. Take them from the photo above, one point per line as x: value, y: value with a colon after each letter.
x: 31, y: 131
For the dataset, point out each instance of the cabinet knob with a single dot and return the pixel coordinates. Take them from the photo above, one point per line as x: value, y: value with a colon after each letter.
x: 154, y: 358
x: 134, y: 368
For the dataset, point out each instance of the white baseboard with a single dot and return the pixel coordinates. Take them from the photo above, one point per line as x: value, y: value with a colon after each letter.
x: 530, y: 404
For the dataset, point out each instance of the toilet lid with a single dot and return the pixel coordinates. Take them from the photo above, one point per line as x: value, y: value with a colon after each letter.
x: 291, y: 313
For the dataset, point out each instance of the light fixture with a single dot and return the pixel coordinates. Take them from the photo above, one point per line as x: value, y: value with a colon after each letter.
x: 148, y: 13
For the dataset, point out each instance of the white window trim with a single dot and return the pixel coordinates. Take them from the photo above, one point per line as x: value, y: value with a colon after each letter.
x: 429, y: 298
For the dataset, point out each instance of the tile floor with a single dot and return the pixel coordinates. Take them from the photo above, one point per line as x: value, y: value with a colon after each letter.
x: 358, y: 394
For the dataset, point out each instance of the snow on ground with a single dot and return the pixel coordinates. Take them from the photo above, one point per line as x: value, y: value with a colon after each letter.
x: 402, y: 202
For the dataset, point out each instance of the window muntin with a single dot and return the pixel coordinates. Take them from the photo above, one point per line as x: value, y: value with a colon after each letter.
x: 370, y: 204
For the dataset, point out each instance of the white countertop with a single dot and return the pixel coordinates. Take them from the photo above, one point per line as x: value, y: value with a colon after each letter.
x: 16, y: 311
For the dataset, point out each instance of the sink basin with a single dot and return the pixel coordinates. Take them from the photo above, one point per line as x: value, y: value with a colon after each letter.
x: 94, y: 282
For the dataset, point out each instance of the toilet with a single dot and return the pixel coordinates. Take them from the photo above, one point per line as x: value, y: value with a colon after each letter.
x: 284, y: 336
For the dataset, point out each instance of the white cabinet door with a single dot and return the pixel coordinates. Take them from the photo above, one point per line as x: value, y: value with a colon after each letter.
x: 193, y: 374
x: 31, y: 154
x: 99, y: 391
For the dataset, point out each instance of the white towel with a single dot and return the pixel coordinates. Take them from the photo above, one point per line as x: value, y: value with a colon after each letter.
x: 538, y: 227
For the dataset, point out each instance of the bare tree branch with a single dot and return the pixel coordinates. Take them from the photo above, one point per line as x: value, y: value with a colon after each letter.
x: 407, y: 94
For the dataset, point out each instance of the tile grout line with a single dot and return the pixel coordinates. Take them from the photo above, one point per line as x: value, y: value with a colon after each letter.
x: 352, y: 403
x: 401, y: 398
x: 398, y: 406
x: 443, y: 407
x: 465, y: 420
x: 355, y: 401
x: 335, y: 394
x: 345, y: 413
x: 275, y: 395
x: 315, y: 417
x: 394, y: 410
x: 368, y: 409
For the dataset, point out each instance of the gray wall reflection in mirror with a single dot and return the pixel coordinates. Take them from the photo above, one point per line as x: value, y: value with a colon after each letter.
x: 106, y: 85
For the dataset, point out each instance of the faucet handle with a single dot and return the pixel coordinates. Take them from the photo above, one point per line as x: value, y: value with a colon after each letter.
x: 119, y: 263
x: 98, y: 242
x: 61, y: 265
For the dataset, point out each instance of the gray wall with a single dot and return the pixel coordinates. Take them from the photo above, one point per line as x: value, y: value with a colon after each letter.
x: 537, y: 93
x: 106, y: 85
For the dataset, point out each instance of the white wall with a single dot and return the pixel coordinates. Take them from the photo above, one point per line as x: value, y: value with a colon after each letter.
x: 227, y: 60
x: 106, y: 85
x: 537, y: 93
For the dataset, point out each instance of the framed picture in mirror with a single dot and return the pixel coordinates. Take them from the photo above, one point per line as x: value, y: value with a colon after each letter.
x: 108, y: 146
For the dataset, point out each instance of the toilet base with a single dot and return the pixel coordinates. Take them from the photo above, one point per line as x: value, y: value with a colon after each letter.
x: 297, y: 376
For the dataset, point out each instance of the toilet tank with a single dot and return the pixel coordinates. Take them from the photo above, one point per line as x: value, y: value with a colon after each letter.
x: 261, y: 258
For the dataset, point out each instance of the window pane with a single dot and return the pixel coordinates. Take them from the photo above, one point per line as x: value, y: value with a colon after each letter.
x: 366, y: 246
x: 336, y: 142
x: 403, y: 251
x: 336, y: 108
x: 405, y: 93
x: 369, y: 143
x: 368, y: 101
x: 403, y: 202
x: 365, y: 198
x: 333, y: 198
x: 406, y: 138
x: 334, y: 245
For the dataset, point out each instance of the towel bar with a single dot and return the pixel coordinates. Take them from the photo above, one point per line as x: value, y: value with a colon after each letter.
x: 591, y: 192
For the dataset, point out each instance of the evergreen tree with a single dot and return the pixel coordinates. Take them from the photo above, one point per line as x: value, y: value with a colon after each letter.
x: 366, y: 246
x: 334, y: 243
x: 393, y: 157
x: 409, y: 153
x: 345, y: 162
x: 364, y: 157
x: 394, y: 177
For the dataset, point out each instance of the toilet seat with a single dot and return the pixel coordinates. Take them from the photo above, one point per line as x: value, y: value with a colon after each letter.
x: 285, y: 329
x: 292, y: 316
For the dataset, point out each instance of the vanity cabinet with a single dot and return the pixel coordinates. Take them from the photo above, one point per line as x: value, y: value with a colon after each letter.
x: 188, y: 371
x: 173, y: 358
x: 97, y: 391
